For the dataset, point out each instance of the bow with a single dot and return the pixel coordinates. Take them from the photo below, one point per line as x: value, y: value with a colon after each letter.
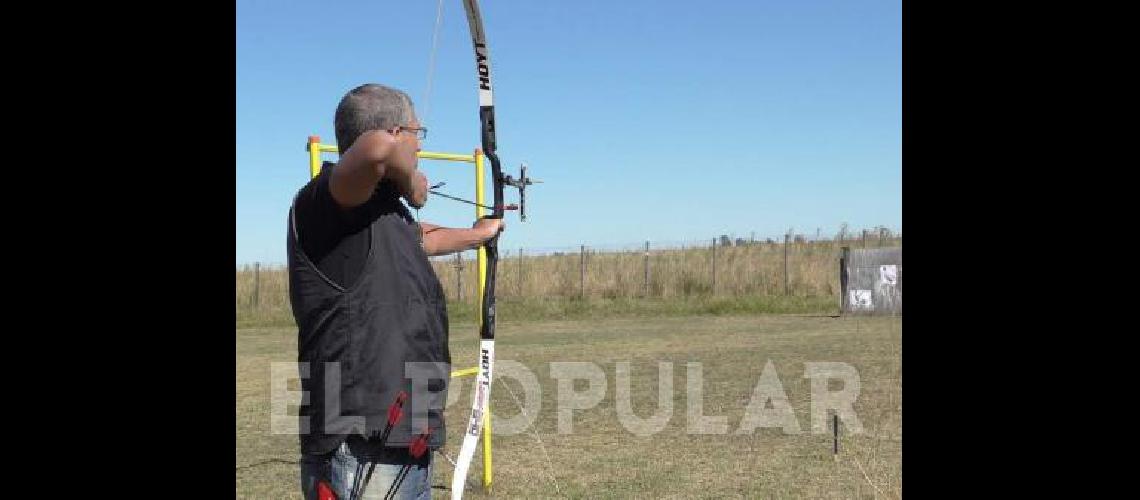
x: 491, y: 248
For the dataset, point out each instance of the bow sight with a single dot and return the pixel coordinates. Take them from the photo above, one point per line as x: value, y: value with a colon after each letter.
x: 521, y: 183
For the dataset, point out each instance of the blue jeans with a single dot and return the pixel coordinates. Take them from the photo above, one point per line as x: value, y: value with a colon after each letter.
x: 339, y: 470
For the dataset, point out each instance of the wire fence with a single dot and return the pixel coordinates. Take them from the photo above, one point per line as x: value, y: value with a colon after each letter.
x: 789, y: 264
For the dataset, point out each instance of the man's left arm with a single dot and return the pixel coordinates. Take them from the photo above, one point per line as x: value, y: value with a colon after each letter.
x: 439, y: 240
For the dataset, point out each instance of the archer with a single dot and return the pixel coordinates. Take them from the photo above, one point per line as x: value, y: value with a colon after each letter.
x: 367, y: 302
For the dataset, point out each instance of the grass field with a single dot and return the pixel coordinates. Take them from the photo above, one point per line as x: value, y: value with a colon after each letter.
x: 600, y: 458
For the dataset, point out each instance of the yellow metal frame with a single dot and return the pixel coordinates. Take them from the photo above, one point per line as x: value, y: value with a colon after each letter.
x: 315, y: 148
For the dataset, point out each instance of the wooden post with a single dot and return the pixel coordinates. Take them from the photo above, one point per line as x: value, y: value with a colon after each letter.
x: 582, y: 271
x: 459, y: 276
x: 714, y: 266
x: 835, y: 433
x: 256, y: 283
x: 506, y: 259
x: 616, y: 273
x: 787, y: 238
x: 844, y: 258
x: 647, y: 268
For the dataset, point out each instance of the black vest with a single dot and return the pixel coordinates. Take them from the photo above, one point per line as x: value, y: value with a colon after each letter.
x: 394, y: 313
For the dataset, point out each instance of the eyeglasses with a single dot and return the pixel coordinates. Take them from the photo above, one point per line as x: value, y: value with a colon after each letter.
x: 420, y: 132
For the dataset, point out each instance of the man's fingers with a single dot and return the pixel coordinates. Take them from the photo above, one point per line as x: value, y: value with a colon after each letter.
x: 491, y: 227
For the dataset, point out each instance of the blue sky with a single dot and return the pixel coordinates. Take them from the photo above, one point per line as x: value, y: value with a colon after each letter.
x: 668, y: 121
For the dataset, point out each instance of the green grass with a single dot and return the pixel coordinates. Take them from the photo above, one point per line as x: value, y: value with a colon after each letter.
x: 595, y: 308
x: 600, y: 459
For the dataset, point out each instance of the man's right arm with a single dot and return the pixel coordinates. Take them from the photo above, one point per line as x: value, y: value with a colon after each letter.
x: 375, y: 155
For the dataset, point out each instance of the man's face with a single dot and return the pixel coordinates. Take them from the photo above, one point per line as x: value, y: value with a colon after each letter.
x: 408, y: 142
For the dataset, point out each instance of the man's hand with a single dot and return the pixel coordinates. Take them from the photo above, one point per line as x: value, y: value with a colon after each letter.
x: 417, y: 195
x: 400, y: 166
x: 488, y: 228
x: 374, y: 148
x: 375, y: 155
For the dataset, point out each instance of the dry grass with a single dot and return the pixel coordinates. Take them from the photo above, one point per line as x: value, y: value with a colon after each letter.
x: 600, y: 459
x: 746, y: 270
x: 749, y: 272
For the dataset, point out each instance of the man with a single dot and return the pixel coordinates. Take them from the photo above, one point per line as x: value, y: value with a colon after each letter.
x: 371, y: 314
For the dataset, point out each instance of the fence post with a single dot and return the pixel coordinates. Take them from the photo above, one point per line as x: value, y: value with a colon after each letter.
x: 844, y: 258
x: 582, y: 271
x: 616, y: 273
x: 787, y: 237
x: 714, y: 266
x: 681, y: 271
x: 256, y: 283
x: 459, y: 276
x: 864, y: 238
x: 749, y: 255
x: 647, y: 268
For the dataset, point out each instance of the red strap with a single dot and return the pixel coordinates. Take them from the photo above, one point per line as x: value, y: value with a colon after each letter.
x: 324, y: 492
x: 419, y: 444
x: 397, y: 409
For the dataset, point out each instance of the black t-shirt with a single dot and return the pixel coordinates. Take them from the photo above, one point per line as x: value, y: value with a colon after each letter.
x: 333, y: 238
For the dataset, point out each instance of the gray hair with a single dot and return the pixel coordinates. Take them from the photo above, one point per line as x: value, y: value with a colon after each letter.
x: 370, y: 107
